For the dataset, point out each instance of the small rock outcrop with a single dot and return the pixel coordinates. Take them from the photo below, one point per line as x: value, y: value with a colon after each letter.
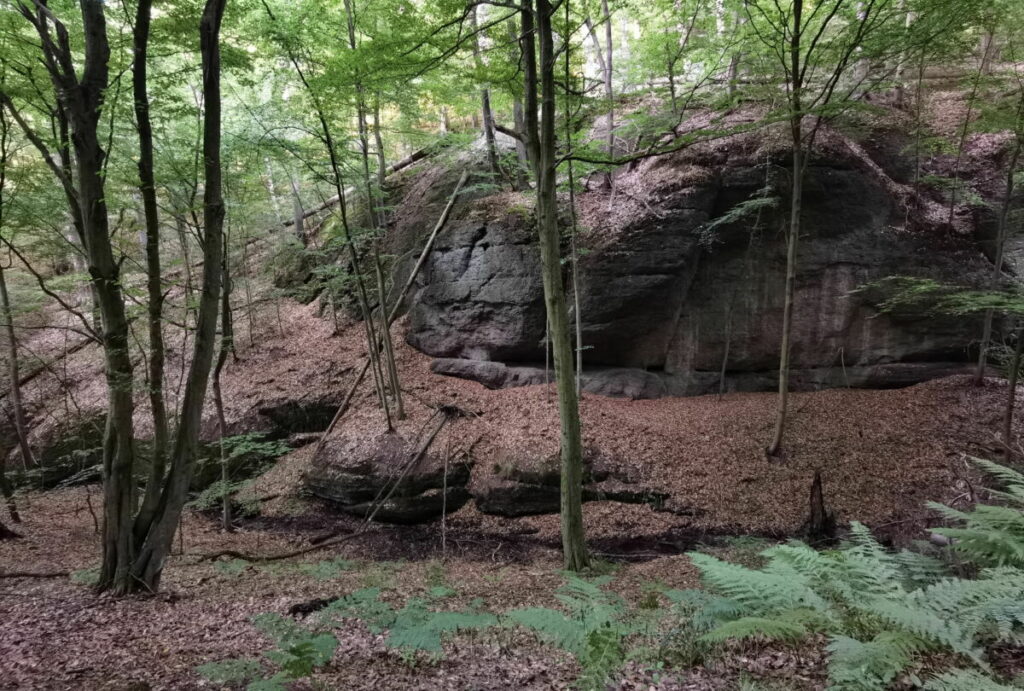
x: 524, y: 488
x: 383, y: 478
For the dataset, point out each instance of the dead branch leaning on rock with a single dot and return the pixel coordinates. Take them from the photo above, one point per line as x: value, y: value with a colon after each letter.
x: 394, y: 310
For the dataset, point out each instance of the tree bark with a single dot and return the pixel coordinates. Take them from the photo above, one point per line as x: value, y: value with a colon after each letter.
x: 541, y: 141
x: 485, y: 102
x: 226, y: 338
x: 149, y: 562
x: 378, y: 140
x: 1002, y: 226
x: 147, y: 187
x: 17, y: 408
x: 793, y: 234
x: 1011, y: 395
x: 81, y: 97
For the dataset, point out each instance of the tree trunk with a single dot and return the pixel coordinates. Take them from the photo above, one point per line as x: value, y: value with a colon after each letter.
x: 378, y: 140
x: 541, y: 139
x: 7, y: 534
x: 997, y: 268
x: 149, y: 562
x: 485, y: 102
x: 147, y: 187
x: 226, y: 338
x: 1011, y: 395
x: 519, y: 121
x: 606, y: 64
x: 793, y: 235
x: 298, y: 214
x: 17, y: 408
x: 81, y: 96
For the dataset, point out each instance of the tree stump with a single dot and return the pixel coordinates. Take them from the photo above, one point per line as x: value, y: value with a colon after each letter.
x: 821, y: 524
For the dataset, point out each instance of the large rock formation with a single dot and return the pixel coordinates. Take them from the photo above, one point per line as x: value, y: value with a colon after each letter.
x: 684, y: 279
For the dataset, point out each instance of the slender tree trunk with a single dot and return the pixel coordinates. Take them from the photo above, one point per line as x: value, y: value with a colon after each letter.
x: 339, y: 186
x: 272, y: 190
x: 997, y: 267
x: 385, y: 332
x: 378, y: 140
x: 965, y: 128
x: 81, y: 92
x: 1011, y: 395
x: 226, y: 339
x: 363, y: 130
x: 149, y: 562
x: 147, y: 187
x: 298, y: 214
x: 17, y: 408
x: 793, y: 235
x: 485, y: 102
x: 15, y: 395
x: 541, y: 139
x: 606, y: 64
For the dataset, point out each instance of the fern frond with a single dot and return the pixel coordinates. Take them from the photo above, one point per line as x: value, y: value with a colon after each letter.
x: 784, y: 628
x: 966, y: 680
x: 869, y: 666
x: 759, y: 591
x: 553, y: 626
x: 1007, y: 476
x: 920, y: 569
x: 924, y: 624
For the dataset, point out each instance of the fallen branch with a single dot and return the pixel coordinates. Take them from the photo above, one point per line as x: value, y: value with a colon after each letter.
x: 34, y: 574
x: 278, y: 557
x: 394, y: 311
x: 393, y: 168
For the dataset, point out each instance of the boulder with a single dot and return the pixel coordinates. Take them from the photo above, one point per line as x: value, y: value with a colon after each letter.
x: 521, y: 487
x: 365, y: 476
x: 687, y: 284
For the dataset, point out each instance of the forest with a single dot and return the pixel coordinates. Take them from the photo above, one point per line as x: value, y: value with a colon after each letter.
x: 512, y: 344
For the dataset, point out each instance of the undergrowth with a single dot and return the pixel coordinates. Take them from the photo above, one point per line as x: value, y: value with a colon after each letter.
x: 888, y: 616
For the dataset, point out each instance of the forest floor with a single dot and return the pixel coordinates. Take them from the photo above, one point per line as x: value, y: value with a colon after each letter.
x: 57, y: 634
x: 883, y: 455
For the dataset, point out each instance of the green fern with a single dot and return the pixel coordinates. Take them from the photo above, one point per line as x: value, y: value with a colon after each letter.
x: 966, y: 680
x: 414, y: 627
x: 880, y: 608
x: 594, y: 627
x: 298, y: 654
x: 858, y: 665
x: 991, y: 535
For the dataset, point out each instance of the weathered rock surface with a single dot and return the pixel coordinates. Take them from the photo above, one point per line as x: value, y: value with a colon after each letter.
x: 365, y: 477
x: 688, y: 286
x: 519, y: 487
x: 481, y: 295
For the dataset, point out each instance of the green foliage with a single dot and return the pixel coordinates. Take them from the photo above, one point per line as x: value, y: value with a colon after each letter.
x: 231, y: 567
x: 298, y: 653
x: 252, y: 451
x: 750, y: 210
x: 965, y: 680
x: 254, y: 444
x: 880, y: 609
x: 991, y: 535
x: 922, y: 296
x: 412, y: 628
x: 327, y: 569
x: 89, y: 576
x: 593, y: 627
x: 230, y: 671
